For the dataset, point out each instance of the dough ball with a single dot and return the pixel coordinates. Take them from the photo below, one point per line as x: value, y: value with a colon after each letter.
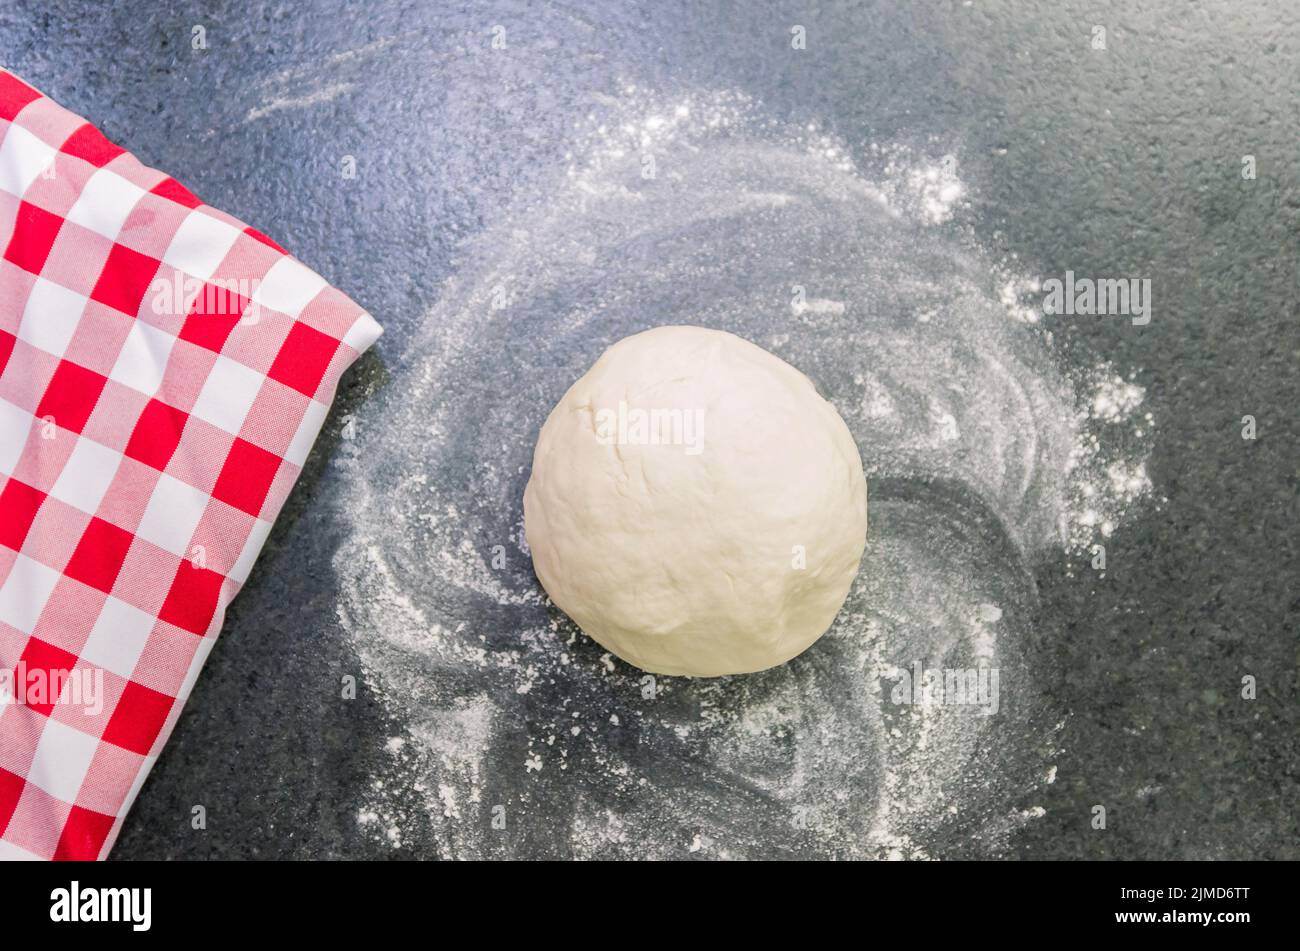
x: 695, y: 506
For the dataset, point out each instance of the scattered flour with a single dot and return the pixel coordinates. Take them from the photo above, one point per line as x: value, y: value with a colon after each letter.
x: 983, y: 458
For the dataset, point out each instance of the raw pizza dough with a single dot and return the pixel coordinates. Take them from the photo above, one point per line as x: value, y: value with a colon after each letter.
x: 695, y: 506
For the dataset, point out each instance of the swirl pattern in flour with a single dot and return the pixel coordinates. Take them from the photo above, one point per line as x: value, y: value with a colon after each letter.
x: 976, y: 448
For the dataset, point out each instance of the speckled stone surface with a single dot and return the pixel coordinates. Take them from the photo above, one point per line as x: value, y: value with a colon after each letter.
x: 1125, y: 161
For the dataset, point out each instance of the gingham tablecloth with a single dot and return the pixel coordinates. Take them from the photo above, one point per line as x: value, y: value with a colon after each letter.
x: 164, y: 371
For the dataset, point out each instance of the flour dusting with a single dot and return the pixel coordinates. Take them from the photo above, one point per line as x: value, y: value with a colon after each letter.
x: 983, y: 458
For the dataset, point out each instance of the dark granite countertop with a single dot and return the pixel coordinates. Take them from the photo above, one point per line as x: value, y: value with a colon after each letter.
x: 1122, y: 161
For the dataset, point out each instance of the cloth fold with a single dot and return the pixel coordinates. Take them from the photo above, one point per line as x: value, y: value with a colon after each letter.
x: 164, y: 371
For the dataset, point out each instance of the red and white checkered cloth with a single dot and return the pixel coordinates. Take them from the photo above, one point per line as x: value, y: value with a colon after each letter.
x: 164, y: 371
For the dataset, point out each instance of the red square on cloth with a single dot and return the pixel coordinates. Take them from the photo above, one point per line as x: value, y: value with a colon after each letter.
x: 45, y: 667
x: 14, y: 96
x: 122, y: 418
x: 212, y: 317
x: 11, y: 789
x: 246, y: 477
x: 89, y: 143
x: 125, y: 279
x: 138, y: 719
x: 84, y: 834
x: 192, y: 599
x: 34, y: 232
x: 303, y: 358
x: 71, y: 396
x: 18, y: 505
x: 173, y: 190
x: 99, y: 555
x: 7, y: 341
x: 157, y: 434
